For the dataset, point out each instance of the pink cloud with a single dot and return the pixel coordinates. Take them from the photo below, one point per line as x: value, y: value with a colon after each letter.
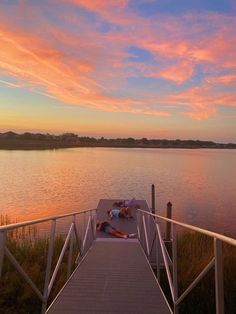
x: 178, y: 73
x: 36, y: 65
x: 100, y: 5
x: 227, y: 79
x: 112, y: 10
x: 201, y: 102
x: 10, y: 84
x: 90, y: 68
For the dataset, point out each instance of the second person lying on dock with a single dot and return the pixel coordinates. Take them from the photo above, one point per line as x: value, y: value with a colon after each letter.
x: 106, y: 227
x: 123, y: 212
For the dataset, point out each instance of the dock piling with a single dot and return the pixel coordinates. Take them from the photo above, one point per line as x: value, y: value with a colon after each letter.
x: 168, y: 224
x: 153, y: 198
x: 2, y: 249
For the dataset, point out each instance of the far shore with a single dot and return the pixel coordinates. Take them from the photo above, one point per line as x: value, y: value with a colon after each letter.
x: 37, y: 141
x: 48, y: 145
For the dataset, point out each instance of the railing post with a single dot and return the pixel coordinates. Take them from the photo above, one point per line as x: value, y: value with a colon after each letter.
x: 219, y: 284
x: 49, y: 265
x: 153, y: 199
x: 2, y: 249
x: 158, y: 254
x: 86, y: 235
x: 93, y: 222
x: 175, y: 266
x: 146, y: 236
x: 168, y: 224
x: 76, y: 233
x: 94, y: 225
x: 70, y: 250
x: 138, y: 226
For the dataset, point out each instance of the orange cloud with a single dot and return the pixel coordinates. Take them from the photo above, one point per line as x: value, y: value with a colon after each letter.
x: 178, y: 73
x: 85, y: 67
x: 36, y: 65
x: 112, y: 10
x: 100, y: 5
x: 223, y: 79
x: 201, y: 102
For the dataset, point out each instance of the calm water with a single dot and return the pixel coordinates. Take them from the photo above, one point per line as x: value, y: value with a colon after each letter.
x: 200, y: 183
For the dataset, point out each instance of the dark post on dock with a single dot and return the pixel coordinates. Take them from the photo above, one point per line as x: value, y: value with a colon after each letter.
x: 153, y: 198
x: 168, y: 224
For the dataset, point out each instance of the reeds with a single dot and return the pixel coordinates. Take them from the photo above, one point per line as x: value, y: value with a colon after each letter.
x: 30, y: 250
x: 195, y: 251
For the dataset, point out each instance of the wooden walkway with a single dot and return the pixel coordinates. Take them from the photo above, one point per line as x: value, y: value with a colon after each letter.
x: 114, y: 277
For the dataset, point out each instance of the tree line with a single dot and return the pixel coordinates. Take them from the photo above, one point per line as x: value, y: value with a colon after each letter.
x: 74, y: 140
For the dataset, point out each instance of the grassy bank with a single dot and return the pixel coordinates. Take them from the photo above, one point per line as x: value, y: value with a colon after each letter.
x: 194, y: 252
x: 16, y: 296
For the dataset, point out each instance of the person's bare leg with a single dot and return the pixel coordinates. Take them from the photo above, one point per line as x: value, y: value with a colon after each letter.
x: 118, y: 233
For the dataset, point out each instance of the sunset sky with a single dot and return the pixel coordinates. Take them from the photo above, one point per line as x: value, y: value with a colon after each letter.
x: 119, y: 68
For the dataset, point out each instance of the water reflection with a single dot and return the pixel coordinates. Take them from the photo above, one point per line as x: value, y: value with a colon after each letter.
x: 199, y: 183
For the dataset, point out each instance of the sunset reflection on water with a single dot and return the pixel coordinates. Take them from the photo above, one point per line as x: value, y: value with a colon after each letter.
x: 199, y: 183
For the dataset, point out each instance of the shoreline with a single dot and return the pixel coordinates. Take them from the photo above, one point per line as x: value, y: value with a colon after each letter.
x: 53, y: 146
x: 32, y: 141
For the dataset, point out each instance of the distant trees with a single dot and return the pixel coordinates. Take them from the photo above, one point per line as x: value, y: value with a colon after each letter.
x: 86, y: 139
x: 68, y: 137
x: 9, y: 135
x: 73, y: 140
x: 144, y: 141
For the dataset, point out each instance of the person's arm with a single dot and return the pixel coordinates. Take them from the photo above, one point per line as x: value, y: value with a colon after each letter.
x: 98, y: 226
x: 111, y: 215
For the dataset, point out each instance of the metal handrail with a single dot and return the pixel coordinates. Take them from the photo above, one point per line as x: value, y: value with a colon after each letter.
x: 166, y: 262
x: 68, y: 242
x: 217, y: 260
x: 36, y: 221
x: 209, y: 233
x: 60, y: 258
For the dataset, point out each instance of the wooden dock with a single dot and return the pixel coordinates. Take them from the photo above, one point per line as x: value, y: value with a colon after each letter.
x: 113, y: 277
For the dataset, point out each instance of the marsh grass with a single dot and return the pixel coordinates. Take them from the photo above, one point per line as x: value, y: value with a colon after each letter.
x: 195, y: 251
x: 30, y: 250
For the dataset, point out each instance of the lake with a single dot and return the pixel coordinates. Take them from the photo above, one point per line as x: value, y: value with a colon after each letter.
x: 200, y: 183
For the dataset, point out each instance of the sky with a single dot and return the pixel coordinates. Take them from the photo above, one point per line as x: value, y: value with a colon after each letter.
x: 119, y: 68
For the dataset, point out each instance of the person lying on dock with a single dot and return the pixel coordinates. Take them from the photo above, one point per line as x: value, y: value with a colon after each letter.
x: 118, y: 204
x: 123, y: 212
x: 125, y: 203
x: 106, y: 227
x: 115, y: 213
x: 126, y: 211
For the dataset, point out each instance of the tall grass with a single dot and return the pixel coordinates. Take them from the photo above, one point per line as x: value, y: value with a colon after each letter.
x: 195, y: 251
x: 30, y: 250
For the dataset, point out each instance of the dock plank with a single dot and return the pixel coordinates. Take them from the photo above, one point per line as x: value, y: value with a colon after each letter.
x: 114, y: 277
